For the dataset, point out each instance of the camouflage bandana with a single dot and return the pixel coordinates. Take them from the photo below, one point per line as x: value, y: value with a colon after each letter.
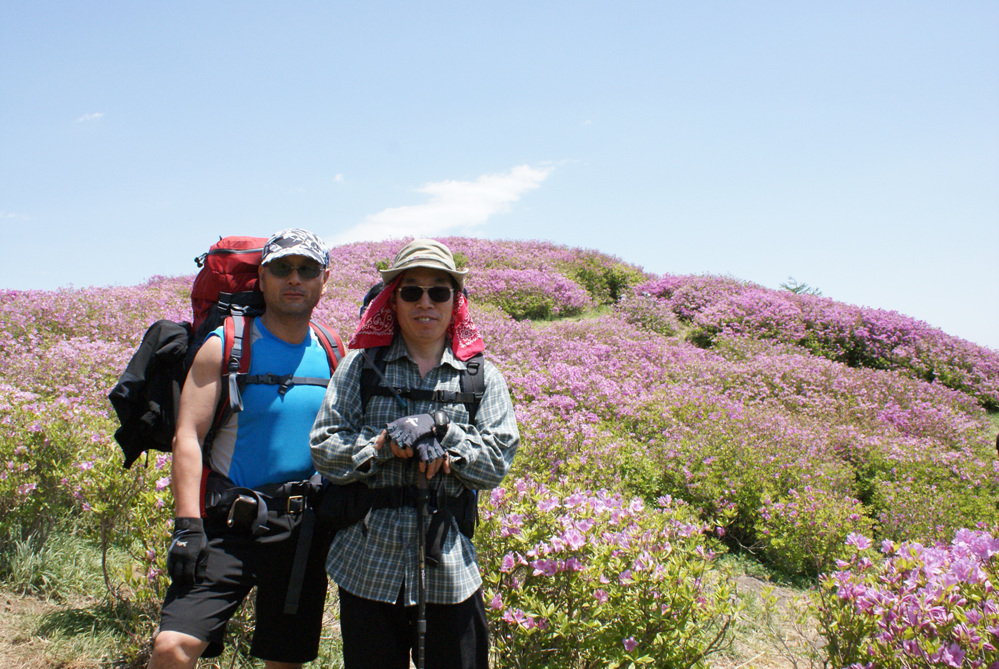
x: 295, y: 242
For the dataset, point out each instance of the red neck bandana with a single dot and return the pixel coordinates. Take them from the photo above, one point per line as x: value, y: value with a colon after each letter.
x: 378, y: 326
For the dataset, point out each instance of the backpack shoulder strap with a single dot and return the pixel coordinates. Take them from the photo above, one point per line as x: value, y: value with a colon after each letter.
x: 370, y: 376
x: 472, y: 380
x: 473, y: 383
x: 235, y: 364
x: 236, y: 355
x: 331, y: 343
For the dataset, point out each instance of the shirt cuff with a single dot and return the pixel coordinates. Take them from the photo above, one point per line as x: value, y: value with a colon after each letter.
x: 367, y: 456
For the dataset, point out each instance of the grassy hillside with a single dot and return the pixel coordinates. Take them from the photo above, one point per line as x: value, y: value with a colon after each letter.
x: 666, y: 421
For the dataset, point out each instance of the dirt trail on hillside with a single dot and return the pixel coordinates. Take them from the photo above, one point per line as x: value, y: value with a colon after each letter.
x: 18, y: 648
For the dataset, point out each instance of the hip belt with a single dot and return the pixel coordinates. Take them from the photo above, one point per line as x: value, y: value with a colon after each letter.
x: 246, y: 509
x: 345, y: 505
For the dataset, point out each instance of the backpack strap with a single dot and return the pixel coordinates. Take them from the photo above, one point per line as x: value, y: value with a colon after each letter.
x: 472, y: 380
x: 235, y: 362
x: 331, y: 342
x: 286, y: 381
x: 473, y: 384
x: 370, y: 376
x: 236, y: 354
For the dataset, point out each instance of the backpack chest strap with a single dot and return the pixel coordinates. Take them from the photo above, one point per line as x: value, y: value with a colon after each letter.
x: 441, y: 396
x: 286, y: 381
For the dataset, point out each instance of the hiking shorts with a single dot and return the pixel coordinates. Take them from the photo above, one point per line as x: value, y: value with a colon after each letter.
x: 235, y: 565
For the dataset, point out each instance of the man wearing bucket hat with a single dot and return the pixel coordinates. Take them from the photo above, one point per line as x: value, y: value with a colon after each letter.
x: 257, y: 477
x: 419, y: 435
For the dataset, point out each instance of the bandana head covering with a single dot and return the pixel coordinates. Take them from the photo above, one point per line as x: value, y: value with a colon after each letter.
x: 378, y: 325
x: 295, y: 242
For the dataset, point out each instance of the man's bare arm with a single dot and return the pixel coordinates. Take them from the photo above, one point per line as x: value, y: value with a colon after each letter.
x: 197, y: 410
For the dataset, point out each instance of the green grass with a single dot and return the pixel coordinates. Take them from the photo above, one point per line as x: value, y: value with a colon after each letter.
x: 62, y: 565
x: 59, y: 606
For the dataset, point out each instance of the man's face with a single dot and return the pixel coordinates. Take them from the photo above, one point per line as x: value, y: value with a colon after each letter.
x: 292, y: 294
x: 423, y: 321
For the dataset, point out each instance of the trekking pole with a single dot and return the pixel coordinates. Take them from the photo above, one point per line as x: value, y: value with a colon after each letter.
x: 423, y: 512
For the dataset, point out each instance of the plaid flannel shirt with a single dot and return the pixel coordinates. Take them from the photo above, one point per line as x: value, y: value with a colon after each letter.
x: 375, y: 558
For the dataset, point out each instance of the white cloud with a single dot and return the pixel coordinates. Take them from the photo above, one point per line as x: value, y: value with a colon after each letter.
x: 96, y: 116
x: 453, y: 205
x: 338, y: 179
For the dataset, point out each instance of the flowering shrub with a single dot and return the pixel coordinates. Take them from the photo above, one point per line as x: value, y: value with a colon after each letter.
x: 533, y: 294
x: 856, y: 336
x: 917, y: 606
x: 805, y: 532
x: 587, y: 579
x: 605, y: 279
x: 649, y: 313
x: 748, y: 421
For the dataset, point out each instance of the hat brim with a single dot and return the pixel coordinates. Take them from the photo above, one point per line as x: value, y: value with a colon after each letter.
x: 389, y: 275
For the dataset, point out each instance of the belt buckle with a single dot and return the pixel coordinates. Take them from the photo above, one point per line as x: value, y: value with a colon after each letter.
x: 295, y: 504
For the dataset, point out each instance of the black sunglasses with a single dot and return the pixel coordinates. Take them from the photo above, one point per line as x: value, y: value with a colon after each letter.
x: 282, y: 269
x: 415, y: 293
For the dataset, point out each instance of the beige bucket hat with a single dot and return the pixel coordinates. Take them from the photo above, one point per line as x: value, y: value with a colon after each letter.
x: 424, y: 253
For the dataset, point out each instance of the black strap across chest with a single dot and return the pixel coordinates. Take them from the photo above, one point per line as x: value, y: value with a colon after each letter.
x: 472, y: 383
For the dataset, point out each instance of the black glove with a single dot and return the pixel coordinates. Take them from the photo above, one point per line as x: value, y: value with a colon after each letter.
x: 406, y: 431
x: 187, y: 558
x: 428, y: 448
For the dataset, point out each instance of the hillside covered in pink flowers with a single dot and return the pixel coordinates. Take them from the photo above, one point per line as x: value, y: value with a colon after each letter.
x: 720, y: 414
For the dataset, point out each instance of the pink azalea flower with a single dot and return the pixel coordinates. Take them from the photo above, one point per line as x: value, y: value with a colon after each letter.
x: 858, y: 540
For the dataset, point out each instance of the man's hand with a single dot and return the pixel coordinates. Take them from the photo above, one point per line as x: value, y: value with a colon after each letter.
x: 187, y: 558
x: 428, y: 448
x: 407, y: 431
x: 418, y: 435
x: 432, y: 456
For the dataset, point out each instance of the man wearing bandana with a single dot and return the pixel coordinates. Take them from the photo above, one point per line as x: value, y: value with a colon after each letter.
x: 419, y: 326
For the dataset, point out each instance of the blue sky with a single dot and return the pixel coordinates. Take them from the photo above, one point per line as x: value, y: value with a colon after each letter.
x: 850, y: 145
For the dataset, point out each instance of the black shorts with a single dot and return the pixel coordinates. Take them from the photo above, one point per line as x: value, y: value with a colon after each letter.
x: 235, y: 565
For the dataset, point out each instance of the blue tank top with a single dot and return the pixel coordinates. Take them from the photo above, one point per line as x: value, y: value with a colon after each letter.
x: 268, y: 441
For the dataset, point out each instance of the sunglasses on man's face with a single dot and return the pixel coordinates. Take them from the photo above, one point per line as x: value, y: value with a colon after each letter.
x: 282, y: 269
x: 415, y: 293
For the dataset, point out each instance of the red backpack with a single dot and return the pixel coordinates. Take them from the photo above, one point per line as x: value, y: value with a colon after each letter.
x: 227, y: 283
